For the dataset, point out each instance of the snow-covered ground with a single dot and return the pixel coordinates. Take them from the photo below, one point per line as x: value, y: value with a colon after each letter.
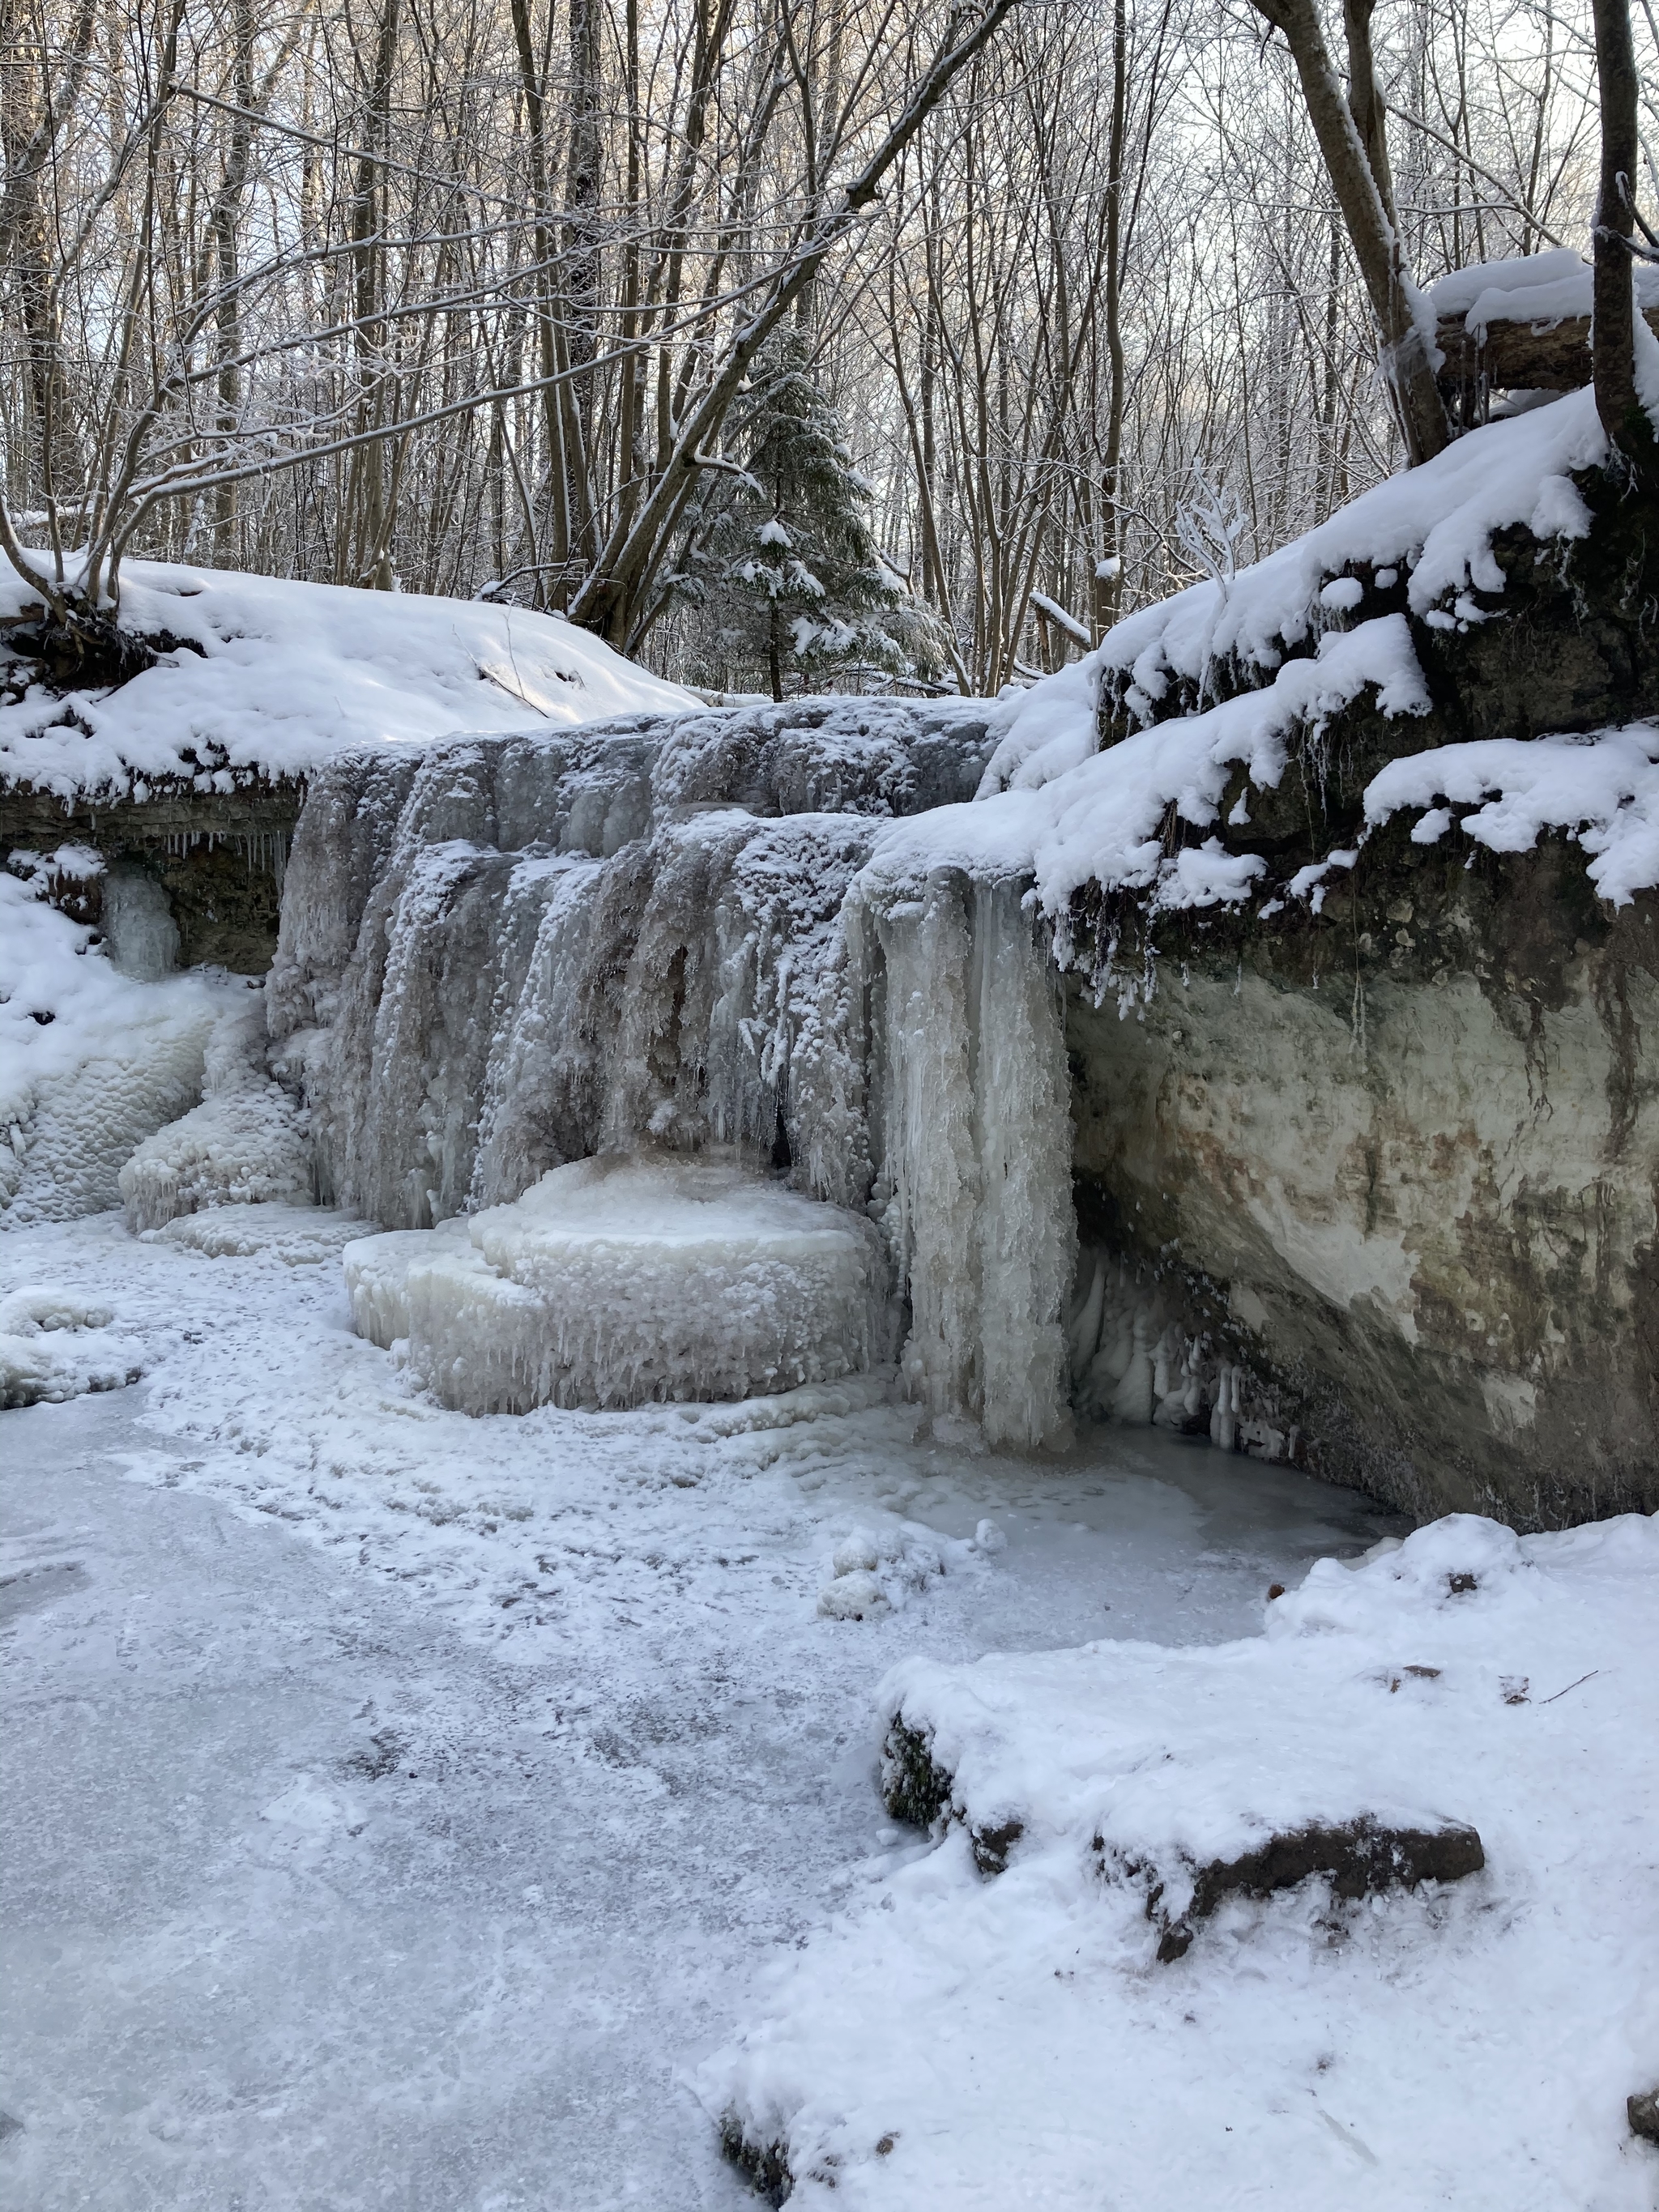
x: 1108, y: 2008
x: 399, y: 1808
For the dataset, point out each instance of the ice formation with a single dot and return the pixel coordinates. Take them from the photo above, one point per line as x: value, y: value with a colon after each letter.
x: 243, y: 1144
x: 956, y: 1026
x: 708, y: 933
x: 52, y: 1347
x: 91, y: 1062
x: 518, y: 954
x: 1137, y: 1354
x: 621, y: 1280
x: 304, y: 1236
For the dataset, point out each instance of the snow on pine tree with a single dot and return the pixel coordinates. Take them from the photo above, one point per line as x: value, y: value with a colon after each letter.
x: 788, y: 570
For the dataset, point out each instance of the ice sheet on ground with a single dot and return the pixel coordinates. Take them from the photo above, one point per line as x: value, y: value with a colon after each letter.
x: 556, y: 1748
x: 629, y: 1278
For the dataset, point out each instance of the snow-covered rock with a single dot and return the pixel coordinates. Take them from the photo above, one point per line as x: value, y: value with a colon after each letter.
x: 968, y: 2036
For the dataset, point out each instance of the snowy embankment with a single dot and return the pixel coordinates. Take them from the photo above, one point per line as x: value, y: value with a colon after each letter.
x: 262, y: 675
x: 1298, y: 627
x: 979, y: 2037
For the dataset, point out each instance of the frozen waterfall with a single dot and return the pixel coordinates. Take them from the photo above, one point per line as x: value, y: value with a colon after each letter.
x: 656, y: 936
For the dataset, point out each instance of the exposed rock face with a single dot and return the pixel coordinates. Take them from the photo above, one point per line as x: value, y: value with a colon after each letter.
x: 211, y: 862
x: 1361, y: 1858
x: 1409, y: 1148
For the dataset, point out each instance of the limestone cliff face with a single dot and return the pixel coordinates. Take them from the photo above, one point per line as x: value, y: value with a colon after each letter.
x: 1405, y: 1153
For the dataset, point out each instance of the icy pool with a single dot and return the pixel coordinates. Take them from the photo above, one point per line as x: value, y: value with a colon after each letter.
x: 397, y: 1807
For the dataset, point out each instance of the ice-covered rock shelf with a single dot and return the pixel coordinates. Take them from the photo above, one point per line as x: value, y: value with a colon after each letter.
x: 620, y: 1280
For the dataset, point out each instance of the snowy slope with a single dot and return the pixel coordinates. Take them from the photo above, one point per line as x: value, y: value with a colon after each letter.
x: 277, y: 676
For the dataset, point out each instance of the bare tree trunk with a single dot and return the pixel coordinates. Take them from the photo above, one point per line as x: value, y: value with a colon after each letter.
x: 226, y: 221
x: 1629, y: 433
x: 585, y: 157
x: 365, y: 544
x: 1109, y: 567
x: 1404, y: 355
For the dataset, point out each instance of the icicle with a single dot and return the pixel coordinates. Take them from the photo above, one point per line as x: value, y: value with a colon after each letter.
x: 1223, y: 1418
x: 1132, y: 1403
x: 1083, y: 1335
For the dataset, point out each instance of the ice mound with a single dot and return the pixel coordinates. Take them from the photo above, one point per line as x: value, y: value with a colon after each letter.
x: 244, y: 1145
x: 871, y: 1572
x: 45, y: 1351
x: 91, y: 1063
x: 625, y: 1279
x: 299, y: 1235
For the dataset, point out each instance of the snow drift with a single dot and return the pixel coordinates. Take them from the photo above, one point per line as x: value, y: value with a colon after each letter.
x: 270, y: 677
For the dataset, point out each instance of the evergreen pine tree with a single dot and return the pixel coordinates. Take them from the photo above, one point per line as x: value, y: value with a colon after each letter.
x: 790, y: 573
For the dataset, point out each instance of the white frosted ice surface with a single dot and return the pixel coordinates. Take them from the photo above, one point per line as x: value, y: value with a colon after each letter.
x: 91, y: 1062
x: 244, y: 1145
x: 397, y: 1807
x: 622, y: 1279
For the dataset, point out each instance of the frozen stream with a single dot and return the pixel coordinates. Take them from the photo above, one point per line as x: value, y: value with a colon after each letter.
x: 396, y: 1806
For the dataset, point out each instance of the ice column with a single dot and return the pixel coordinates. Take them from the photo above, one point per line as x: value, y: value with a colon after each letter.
x: 975, y: 1148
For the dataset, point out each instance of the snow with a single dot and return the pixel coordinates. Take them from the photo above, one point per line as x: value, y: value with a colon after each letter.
x: 1045, y: 731
x: 277, y: 676
x: 1054, y: 812
x: 1436, y: 522
x: 618, y: 1280
x: 397, y: 1807
x: 1534, y: 288
x: 1101, y: 820
x: 91, y: 1062
x: 1602, y: 790
x: 1470, y: 2043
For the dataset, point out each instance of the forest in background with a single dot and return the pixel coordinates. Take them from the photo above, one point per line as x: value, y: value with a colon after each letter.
x: 1034, y: 312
